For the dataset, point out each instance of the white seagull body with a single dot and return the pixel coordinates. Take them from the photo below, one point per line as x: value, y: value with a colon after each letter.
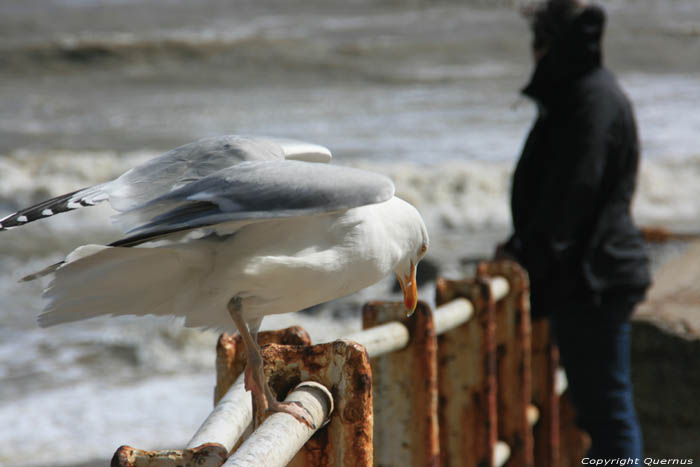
x: 230, y: 227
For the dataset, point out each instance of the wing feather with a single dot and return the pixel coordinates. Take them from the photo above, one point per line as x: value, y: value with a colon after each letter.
x: 260, y: 190
x: 170, y: 171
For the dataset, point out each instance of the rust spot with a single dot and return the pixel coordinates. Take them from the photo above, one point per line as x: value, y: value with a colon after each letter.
x: 311, y: 361
x: 362, y: 381
x: 316, y: 450
x: 295, y: 335
x: 353, y: 412
x: 122, y: 457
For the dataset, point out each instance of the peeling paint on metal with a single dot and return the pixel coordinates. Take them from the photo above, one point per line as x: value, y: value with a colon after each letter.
x: 405, y: 389
x: 466, y: 377
x: 513, y: 363
x: 206, y: 455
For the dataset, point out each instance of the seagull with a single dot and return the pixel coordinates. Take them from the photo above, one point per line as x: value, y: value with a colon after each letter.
x: 229, y: 229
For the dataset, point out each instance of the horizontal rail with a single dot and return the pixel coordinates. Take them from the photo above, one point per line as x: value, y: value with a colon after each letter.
x: 501, y: 454
x: 232, y: 415
x: 560, y: 383
x: 499, y: 288
x: 394, y: 336
x: 533, y: 414
x: 280, y: 436
x: 457, y: 312
x: 228, y: 421
x: 452, y: 314
x: 382, y: 339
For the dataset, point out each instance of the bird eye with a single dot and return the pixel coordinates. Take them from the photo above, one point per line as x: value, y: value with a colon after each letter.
x: 423, y: 249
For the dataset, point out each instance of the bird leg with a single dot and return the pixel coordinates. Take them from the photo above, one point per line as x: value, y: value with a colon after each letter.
x: 254, y: 373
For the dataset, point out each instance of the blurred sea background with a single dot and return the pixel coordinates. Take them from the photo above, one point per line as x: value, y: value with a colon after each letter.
x: 426, y: 92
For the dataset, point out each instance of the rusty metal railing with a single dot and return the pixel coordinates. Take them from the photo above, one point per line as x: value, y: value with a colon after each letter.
x: 420, y: 391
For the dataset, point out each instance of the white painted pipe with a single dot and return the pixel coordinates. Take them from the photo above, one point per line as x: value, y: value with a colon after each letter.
x: 229, y: 419
x: 452, y: 314
x: 499, y: 288
x: 501, y: 453
x: 533, y: 414
x: 393, y: 336
x: 460, y: 310
x: 281, y: 436
x: 560, y: 383
x: 382, y: 339
x: 227, y: 423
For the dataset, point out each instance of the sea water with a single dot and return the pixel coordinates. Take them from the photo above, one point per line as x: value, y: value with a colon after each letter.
x: 425, y: 92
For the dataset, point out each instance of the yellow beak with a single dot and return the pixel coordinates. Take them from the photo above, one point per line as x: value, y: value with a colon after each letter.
x: 410, y: 290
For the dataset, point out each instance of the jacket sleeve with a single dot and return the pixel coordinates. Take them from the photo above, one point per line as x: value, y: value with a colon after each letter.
x: 572, y: 189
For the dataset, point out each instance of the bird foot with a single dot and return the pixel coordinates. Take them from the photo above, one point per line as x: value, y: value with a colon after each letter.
x: 295, y: 409
x: 265, y: 401
x: 254, y: 378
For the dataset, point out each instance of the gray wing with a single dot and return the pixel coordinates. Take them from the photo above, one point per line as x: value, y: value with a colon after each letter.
x: 170, y: 171
x: 259, y: 190
x: 191, y: 162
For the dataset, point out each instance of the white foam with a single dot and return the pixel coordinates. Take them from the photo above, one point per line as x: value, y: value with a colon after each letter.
x: 30, y: 176
x: 472, y: 196
x: 89, y: 421
x: 451, y: 195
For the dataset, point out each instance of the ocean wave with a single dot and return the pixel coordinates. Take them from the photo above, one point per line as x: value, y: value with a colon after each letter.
x: 386, y: 42
x: 452, y: 195
x: 89, y: 48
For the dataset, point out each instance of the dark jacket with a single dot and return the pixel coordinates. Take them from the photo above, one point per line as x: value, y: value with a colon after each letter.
x: 574, y: 182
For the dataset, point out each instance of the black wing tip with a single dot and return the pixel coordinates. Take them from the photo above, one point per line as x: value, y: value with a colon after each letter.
x: 42, y: 210
x: 23, y: 217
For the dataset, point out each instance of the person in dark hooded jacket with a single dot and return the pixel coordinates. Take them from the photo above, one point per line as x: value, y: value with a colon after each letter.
x: 573, y: 228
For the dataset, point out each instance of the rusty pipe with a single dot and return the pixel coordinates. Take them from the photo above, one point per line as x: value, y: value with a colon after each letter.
x: 499, y: 288
x: 394, y: 336
x: 561, y: 383
x: 382, y: 339
x: 452, y: 314
x: 501, y: 453
x: 228, y: 421
x: 459, y: 311
x: 280, y: 436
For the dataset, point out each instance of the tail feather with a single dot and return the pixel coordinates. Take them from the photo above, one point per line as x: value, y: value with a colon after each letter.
x: 64, y: 203
x: 100, y: 280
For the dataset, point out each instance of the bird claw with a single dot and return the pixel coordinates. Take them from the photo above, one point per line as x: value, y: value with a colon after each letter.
x: 266, y: 401
x: 295, y: 409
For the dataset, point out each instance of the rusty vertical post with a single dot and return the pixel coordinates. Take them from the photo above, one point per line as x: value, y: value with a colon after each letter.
x: 344, y: 368
x: 545, y: 360
x: 231, y: 354
x: 466, y: 378
x: 574, y: 442
x: 405, y: 389
x: 341, y: 366
x: 513, y: 369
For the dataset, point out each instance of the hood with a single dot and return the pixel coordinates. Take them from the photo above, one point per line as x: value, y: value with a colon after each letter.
x: 575, y: 49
